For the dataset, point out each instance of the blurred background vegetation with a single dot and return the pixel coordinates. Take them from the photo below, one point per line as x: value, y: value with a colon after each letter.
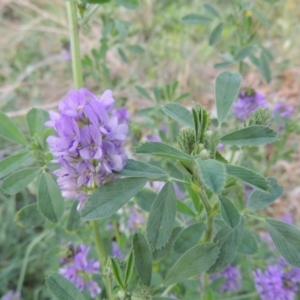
x: 121, y: 49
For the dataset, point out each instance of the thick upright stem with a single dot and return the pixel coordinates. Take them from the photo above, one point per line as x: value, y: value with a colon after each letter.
x: 74, y: 44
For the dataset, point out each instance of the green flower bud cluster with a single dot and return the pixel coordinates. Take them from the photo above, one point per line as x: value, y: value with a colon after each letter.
x: 261, y: 116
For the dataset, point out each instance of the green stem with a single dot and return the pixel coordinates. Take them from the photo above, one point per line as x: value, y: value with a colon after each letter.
x: 209, y: 228
x: 74, y: 41
x: 35, y: 241
x: 102, y: 257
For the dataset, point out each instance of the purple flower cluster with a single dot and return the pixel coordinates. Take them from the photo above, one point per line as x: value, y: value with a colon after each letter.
x: 11, y: 295
x: 248, y: 101
x: 283, y: 111
x: 116, y: 251
x: 136, y: 219
x: 89, y: 142
x: 232, y: 281
x: 277, y: 282
x: 79, y: 270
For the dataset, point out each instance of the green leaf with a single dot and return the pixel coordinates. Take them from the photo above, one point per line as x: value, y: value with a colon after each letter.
x: 118, y: 275
x: 212, y: 174
x: 188, y: 237
x: 259, y: 200
x: 50, y: 201
x: 130, y: 4
x: 36, y: 119
x: 248, y: 176
x: 243, y: 53
x: 134, y: 168
x: 143, y: 92
x: 145, y: 199
x: 193, y: 262
x: 129, y: 267
x: 74, y: 218
x: 96, y: 1
x: 228, y: 240
x: 196, y: 19
x: 223, y: 64
x: 248, y: 244
x: 226, y: 91
x: 122, y: 55
x: 179, y: 113
x: 162, y: 216
x: 14, y: 162
x: 160, y: 253
x: 264, y: 67
x: 136, y: 49
x: 163, y: 150
x: 29, y: 216
x: 62, y: 288
x: 250, y: 136
x: 19, y: 180
x: 110, y: 197
x: 9, y: 130
x: 229, y: 212
x: 184, y: 209
x: 182, y: 97
x: 143, y: 258
x: 286, y: 239
x: 211, y: 10
x: 215, y: 34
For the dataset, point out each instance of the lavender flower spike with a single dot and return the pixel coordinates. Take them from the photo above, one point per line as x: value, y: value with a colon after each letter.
x: 79, y: 270
x: 11, y: 295
x: 248, y: 101
x: 88, y: 144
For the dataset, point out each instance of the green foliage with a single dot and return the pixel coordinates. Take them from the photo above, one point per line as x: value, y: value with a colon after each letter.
x: 36, y: 119
x: 29, y: 216
x: 228, y: 241
x: 195, y: 19
x: 50, y: 201
x: 248, y: 176
x: 215, y: 34
x: 130, y: 4
x: 110, y: 197
x: 74, y: 218
x: 286, y: 239
x: 163, y: 150
x: 226, y: 91
x: 62, y: 288
x: 10, y: 131
x: 248, y: 244
x: 193, y: 262
x: 19, y: 180
x: 161, y: 218
x: 179, y: 113
x: 250, y: 136
x: 259, y: 199
x: 143, y: 258
x: 229, y: 212
x: 188, y: 237
x: 134, y: 168
x: 212, y: 173
x: 14, y: 162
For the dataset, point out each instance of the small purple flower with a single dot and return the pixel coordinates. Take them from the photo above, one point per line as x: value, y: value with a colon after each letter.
x: 122, y: 114
x: 248, y: 101
x: 116, y: 251
x: 11, y: 295
x: 88, y: 145
x: 136, y: 219
x: 232, y: 281
x: 154, y: 138
x: 220, y: 147
x: 284, y: 111
x: 277, y: 282
x: 288, y: 218
x: 78, y: 269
